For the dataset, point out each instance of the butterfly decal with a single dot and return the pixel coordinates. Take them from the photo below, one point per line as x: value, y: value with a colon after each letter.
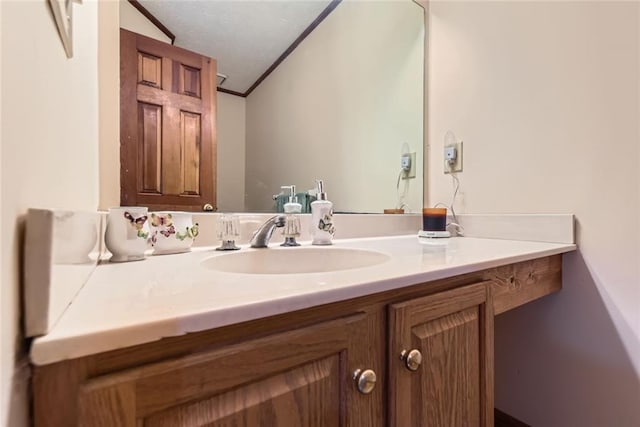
x: 326, y: 223
x: 168, y: 231
x: 161, y: 220
x: 137, y: 223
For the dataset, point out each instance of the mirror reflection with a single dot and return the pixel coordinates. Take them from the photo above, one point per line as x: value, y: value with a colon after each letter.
x: 307, y: 90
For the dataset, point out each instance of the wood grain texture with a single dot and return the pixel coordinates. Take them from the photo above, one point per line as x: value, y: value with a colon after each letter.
x: 56, y: 387
x: 168, y: 151
x: 189, y: 81
x: 149, y: 70
x: 487, y: 371
x: 518, y: 284
x: 171, y: 153
x: 150, y: 148
x: 190, y: 152
x: 55, y: 390
x: 300, y: 377
x: 179, y: 101
x: 449, y: 388
x: 114, y: 406
x: 290, y: 398
x: 450, y: 380
x: 209, y: 150
x: 128, y: 128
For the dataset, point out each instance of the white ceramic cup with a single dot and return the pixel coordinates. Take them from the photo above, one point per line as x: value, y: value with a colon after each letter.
x: 127, y: 233
x: 171, y: 232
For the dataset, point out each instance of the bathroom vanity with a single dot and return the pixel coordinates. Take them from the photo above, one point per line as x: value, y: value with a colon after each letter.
x: 405, y: 342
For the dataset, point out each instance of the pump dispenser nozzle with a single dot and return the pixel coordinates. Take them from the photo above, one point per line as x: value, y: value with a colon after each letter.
x: 321, y: 194
x: 292, y: 206
x: 292, y: 192
x: 292, y: 222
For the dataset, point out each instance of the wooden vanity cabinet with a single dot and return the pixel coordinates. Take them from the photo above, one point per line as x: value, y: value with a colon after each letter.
x: 297, y: 369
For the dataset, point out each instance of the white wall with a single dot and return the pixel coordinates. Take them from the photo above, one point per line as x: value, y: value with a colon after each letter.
x: 6, y: 321
x: 49, y: 152
x: 131, y: 19
x: 546, y: 98
x: 355, y: 143
x: 231, y: 128
x: 109, y: 103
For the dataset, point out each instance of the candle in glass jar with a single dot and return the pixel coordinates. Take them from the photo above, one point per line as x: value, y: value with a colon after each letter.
x: 434, y: 219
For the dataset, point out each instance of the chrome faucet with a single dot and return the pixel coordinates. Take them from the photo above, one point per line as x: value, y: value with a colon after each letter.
x: 263, y: 234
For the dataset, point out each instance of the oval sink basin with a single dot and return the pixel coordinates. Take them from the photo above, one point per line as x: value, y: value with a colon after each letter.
x: 294, y: 260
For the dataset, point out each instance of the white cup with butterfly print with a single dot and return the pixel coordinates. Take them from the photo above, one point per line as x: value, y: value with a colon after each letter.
x: 171, y: 232
x: 127, y: 233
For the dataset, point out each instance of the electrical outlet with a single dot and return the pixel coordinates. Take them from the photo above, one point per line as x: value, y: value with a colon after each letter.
x: 405, y: 162
x: 411, y: 173
x: 454, y: 164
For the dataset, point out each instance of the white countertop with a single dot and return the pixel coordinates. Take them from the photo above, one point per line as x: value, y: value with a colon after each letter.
x: 163, y: 296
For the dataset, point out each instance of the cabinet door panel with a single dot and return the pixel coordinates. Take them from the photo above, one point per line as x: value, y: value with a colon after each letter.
x: 289, y: 398
x: 450, y: 346
x: 453, y: 385
x: 297, y: 378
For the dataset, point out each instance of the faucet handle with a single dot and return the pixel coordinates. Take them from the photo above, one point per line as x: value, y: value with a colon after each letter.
x: 291, y: 226
x: 291, y: 230
x: 228, y: 226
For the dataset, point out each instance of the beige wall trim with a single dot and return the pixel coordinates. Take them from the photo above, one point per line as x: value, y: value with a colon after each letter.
x: 109, y: 103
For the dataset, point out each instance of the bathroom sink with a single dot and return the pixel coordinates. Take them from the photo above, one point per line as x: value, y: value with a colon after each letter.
x: 294, y: 260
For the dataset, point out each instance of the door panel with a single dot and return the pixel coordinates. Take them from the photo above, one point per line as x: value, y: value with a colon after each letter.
x: 150, y: 138
x: 300, y: 378
x: 450, y: 344
x: 288, y: 399
x: 190, y: 145
x: 149, y: 70
x: 167, y: 110
x: 453, y: 385
x: 189, y: 81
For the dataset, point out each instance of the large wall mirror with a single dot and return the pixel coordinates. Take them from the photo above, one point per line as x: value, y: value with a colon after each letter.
x: 344, y: 105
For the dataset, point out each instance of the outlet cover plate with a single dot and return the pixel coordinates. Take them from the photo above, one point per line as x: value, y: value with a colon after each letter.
x: 412, y: 171
x: 457, y: 164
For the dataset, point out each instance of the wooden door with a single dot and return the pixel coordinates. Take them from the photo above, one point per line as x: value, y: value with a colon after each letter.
x: 299, y: 378
x: 453, y: 386
x: 167, y: 125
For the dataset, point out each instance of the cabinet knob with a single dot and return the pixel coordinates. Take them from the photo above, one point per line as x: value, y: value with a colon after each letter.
x: 208, y: 207
x: 365, y: 380
x: 412, y: 359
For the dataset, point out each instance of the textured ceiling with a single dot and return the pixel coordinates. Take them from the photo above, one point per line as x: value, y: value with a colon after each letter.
x: 245, y: 37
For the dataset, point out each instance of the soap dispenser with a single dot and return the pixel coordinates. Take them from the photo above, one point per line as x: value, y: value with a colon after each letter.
x: 322, y: 228
x: 292, y: 223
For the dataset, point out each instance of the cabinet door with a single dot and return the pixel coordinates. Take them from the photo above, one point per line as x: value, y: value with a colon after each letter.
x: 453, y: 384
x: 300, y: 378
